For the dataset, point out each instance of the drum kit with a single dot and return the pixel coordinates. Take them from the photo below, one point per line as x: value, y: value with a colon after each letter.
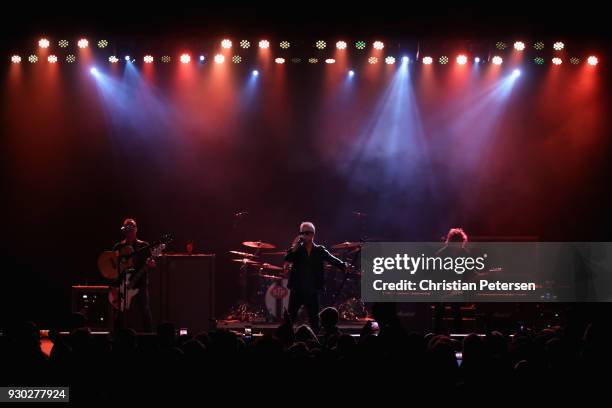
x: 265, y: 295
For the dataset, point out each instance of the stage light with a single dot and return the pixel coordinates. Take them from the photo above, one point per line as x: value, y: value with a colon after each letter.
x: 63, y: 43
x: 558, y: 46
x: 185, y: 58
x: 351, y: 73
x: 330, y: 61
x: 341, y: 45
x: 279, y: 60
x: 539, y: 60
x: 33, y: 59
x: 519, y: 46
x: 264, y: 44
x: 390, y: 60
x: 372, y: 60
x: 321, y: 44
x: 497, y: 60
x: 592, y: 60
x: 113, y: 60
x: 52, y: 59
x: 148, y: 59
x: 405, y: 60
x: 477, y: 60
x: 296, y: 60
x: 500, y: 45
x: 93, y: 70
x: 83, y: 43
x: 312, y: 60
x: 70, y: 58
x: 557, y: 61
x: 127, y: 58
x: 443, y: 60
x: 284, y: 45
x: 219, y: 59
x: 461, y: 59
x: 427, y: 60
x: 574, y: 60
x: 255, y: 72
x: 236, y: 59
x: 538, y: 46
x: 516, y: 73
x: 378, y: 45
x: 102, y: 44
x: 202, y: 58
x: 166, y: 59
x: 360, y: 45
x: 15, y: 59
x: 43, y: 43
x: 226, y: 43
x: 245, y: 43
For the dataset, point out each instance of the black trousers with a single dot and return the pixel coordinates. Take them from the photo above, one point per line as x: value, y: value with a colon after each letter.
x: 310, y: 300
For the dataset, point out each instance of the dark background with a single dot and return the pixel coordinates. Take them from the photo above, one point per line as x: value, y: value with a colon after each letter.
x: 69, y: 175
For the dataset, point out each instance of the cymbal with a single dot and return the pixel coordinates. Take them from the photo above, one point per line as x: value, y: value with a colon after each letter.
x: 246, y: 261
x: 244, y: 254
x: 271, y: 267
x: 273, y: 277
x: 347, y: 245
x: 258, y: 244
x: 275, y: 253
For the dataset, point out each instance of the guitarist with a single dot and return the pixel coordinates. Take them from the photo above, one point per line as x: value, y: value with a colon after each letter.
x: 141, y: 261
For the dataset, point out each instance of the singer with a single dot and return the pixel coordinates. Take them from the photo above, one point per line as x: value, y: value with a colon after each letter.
x: 306, y: 274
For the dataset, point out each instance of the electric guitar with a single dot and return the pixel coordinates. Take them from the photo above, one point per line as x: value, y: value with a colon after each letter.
x: 119, y: 267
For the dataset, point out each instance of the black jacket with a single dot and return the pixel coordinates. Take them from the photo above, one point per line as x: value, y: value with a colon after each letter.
x: 303, y: 263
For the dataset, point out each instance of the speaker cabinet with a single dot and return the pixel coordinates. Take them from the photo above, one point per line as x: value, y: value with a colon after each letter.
x: 183, y: 291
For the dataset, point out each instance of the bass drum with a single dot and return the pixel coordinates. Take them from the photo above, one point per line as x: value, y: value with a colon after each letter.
x: 277, y: 298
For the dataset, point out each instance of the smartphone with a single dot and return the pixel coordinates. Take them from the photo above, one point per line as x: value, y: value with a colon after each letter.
x: 182, y: 332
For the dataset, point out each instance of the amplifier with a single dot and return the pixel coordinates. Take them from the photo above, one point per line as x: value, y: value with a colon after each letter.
x: 183, y: 291
x: 92, y: 302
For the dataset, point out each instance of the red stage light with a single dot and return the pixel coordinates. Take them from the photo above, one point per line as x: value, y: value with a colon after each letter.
x: 264, y: 44
x: 462, y: 59
x: 219, y: 59
x: 185, y: 58
x: 427, y: 60
x: 226, y: 43
x: 43, y: 43
x: 592, y: 60
x: 341, y: 45
x: 83, y: 43
x: 330, y: 61
x: 557, y: 61
x: 519, y: 46
x: 497, y: 60
x: 558, y: 46
x: 15, y: 59
x: 148, y: 59
x: 279, y: 60
x: 390, y: 60
x: 52, y: 59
